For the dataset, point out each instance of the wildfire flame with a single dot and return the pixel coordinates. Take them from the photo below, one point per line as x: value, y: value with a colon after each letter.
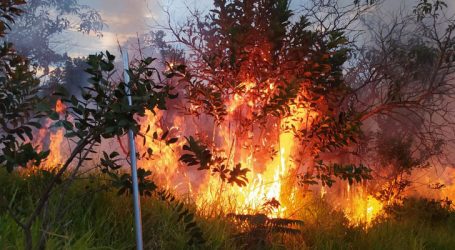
x: 164, y: 161
x: 60, y: 107
x: 268, y: 154
x: 55, y: 140
x: 268, y: 189
x: 362, y: 208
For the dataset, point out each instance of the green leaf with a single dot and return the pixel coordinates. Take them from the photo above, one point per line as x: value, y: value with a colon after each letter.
x: 67, y: 125
x: 54, y: 115
x: 74, y: 101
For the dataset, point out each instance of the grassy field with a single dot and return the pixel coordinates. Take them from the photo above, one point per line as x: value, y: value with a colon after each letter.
x: 90, y: 215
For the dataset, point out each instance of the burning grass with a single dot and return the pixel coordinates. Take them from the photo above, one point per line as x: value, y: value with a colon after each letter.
x: 105, y: 221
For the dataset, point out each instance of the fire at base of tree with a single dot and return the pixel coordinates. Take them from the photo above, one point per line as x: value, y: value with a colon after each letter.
x: 327, y: 125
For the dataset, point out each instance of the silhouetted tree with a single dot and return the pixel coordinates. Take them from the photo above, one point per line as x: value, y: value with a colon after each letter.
x: 36, y: 29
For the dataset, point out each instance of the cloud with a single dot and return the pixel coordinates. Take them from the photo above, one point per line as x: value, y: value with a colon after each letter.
x: 123, y: 18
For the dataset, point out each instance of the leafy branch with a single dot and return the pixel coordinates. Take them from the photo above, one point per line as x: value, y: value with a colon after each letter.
x: 199, y: 154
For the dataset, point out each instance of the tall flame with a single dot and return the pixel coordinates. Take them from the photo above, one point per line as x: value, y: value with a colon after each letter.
x: 56, y: 137
x: 361, y: 208
x: 267, y: 190
x: 269, y: 153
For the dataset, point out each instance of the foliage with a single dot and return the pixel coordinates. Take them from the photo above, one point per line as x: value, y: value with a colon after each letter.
x: 169, y: 54
x: 403, y: 76
x: 200, y: 155
x: 426, y: 7
x: 358, y: 2
x: 275, y: 48
x: 277, y: 65
x: 392, y: 191
x: 421, y: 210
x: 184, y: 216
x: 42, y: 20
x: 326, y: 172
x: 331, y: 133
x: 105, y: 222
x: 124, y: 183
x: 398, y: 153
x: 101, y: 104
x: 397, y: 158
x: 20, y: 104
x: 105, y: 219
x: 99, y: 113
x: 402, y: 81
x: 9, y: 10
x: 148, y: 188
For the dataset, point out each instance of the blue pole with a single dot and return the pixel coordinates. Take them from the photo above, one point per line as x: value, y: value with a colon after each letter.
x: 136, y: 198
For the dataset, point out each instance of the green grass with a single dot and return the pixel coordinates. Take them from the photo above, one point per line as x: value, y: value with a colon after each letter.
x: 95, y: 219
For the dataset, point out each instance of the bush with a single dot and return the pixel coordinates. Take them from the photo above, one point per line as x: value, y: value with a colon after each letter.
x: 421, y: 211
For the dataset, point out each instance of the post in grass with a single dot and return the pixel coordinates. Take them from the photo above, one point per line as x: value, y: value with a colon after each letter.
x: 132, y: 147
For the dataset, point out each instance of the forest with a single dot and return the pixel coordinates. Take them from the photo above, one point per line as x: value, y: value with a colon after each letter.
x: 227, y: 124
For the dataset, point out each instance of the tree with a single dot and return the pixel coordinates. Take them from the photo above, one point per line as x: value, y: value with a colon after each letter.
x: 315, y: 63
x: 167, y: 52
x: 287, y: 75
x: 35, y: 30
x: 402, y: 81
x: 20, y: 106
x: 100, y: 113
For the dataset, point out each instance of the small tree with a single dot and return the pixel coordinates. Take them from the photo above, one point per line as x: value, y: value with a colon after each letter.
x: 402, y: 81
x: 284, y: 71
x: 100, y: 113
x: 20, y: 106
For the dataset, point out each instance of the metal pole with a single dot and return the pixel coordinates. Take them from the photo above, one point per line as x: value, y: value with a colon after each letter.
x: 136, y: 198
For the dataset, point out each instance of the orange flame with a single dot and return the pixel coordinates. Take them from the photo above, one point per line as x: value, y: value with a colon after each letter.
x: 268, y: 154
x: 56, y: 137
x: 60, y: 107
x: 270, y: 173
x: 55, y: 157
x: 361, y: 208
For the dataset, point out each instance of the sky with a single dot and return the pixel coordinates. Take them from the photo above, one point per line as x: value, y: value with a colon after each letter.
x: 127, y: 18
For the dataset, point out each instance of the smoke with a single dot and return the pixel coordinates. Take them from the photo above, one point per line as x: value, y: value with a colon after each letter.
x: 124, y: 20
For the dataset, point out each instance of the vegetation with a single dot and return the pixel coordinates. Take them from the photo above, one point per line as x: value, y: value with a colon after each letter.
x: 301, y: 80
x: 43, y: 20
x: 104, y: 222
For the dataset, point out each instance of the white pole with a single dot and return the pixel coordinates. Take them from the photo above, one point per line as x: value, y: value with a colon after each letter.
x: 136, y: 198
